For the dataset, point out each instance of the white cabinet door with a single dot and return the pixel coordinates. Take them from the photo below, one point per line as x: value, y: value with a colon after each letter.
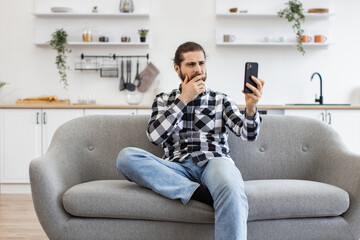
x: 52, y: 119
x: 347, y: 124
x: 318, y: 114
x: 20, y: 143
x: 144, y: 112
x: 110, y: 112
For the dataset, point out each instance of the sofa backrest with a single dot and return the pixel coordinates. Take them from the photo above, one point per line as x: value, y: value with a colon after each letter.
x: 287, y: 146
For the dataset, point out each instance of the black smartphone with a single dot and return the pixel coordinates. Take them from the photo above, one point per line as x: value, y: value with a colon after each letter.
x: 251, y: 69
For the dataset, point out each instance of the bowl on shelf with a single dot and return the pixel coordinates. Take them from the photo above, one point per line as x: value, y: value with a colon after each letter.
x: 233, y: 10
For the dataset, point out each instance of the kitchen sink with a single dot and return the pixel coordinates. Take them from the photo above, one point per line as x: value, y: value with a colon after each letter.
x: 316, y: 104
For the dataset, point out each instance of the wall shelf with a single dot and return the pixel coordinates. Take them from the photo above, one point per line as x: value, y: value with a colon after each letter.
x: 96, y: 15
x: 135, y: 44
x: 273, y: 44
x: 80, y: 17
x: 314, y: 16
x: 260, y: 26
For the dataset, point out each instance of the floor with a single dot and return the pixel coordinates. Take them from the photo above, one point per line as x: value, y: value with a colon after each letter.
x: 18, y: 219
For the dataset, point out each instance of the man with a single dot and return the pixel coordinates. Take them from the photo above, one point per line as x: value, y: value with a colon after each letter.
x: 190, y: 124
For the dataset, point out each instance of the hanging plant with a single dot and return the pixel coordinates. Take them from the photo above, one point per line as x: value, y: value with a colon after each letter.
x: 59, y: 43
x: 294, y: 13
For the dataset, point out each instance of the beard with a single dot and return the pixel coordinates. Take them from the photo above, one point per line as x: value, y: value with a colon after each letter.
x: 182, y: 76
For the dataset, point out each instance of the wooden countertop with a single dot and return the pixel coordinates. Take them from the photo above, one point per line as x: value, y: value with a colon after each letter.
x: 98, y: 106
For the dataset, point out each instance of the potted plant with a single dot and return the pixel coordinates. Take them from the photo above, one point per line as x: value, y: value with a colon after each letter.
x: 143, y: 33
x: 2, y: 84
x: 59, y: 43
x: 294, y: 13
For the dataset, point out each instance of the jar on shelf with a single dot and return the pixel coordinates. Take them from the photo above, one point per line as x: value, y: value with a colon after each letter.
x: 126, y: 6
x: 87, y: 35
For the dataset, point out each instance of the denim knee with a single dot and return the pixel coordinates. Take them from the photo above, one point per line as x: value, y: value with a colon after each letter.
x: 124, y: 159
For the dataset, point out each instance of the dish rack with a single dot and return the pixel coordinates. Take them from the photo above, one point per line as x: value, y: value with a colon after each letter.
x: 108, y: 65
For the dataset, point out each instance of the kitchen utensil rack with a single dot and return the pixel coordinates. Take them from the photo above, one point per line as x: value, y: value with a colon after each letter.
x: 114, y: 56
x: 96, y: 65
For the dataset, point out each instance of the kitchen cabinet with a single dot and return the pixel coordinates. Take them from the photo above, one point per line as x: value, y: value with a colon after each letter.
x: 144, y: 112
x: 54, y: 118
x: 258, y: 25
x: 20, y: 143
x: 345, y: 122
x: 118, y: 112
x: 26, y: 134
x: 110, y: 112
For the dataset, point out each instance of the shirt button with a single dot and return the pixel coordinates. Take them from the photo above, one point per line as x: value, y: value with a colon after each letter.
x: 262, y: 149
x: 91, y: 148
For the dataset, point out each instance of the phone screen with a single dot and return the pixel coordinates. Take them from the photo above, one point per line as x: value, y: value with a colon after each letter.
x: 251, y: 69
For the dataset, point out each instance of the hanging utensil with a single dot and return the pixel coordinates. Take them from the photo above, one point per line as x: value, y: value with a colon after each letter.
x: 122, y: 80
x: 127, y: 74
x: 137, y: 78
x: 129, y: 85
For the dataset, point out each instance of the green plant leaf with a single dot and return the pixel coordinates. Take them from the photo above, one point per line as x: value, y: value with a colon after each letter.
x: 2, y: 84
x: 294, y: 13
x: 59, y: 43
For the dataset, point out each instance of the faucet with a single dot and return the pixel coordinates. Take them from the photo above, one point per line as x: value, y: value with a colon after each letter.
x: 320, y: 99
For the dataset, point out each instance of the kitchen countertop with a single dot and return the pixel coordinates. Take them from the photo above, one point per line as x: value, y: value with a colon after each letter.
x: 99, y: 106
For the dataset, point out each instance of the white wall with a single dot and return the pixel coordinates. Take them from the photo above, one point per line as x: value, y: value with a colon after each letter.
x: 31, y: 71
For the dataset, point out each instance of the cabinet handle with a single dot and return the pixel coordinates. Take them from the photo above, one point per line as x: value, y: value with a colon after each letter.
x: 329, y: 117
x: 323, y: 117
x: 37, y: 118
x: 44, y: 117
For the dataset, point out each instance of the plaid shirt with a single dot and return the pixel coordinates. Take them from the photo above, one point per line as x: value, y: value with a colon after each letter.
x: 198, y: 129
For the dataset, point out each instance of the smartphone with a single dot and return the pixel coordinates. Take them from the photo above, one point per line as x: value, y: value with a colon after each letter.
x: 251, y: 69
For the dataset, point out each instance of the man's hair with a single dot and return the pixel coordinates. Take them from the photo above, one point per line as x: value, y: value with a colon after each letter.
x: 184, y: 48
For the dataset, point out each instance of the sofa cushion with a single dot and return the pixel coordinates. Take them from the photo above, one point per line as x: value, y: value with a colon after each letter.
x: 127, y: 200
x: 268, y: 199
x: 278, y: 199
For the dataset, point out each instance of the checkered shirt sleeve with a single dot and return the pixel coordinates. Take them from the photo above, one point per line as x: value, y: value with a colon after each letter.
x: 164, y: 119
x: 246, y: 127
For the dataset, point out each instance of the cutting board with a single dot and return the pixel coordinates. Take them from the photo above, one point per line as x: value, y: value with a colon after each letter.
x: 318, y: 10
x: 45, y: 102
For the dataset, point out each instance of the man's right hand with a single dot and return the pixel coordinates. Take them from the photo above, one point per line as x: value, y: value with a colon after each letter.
x: 192, y: 88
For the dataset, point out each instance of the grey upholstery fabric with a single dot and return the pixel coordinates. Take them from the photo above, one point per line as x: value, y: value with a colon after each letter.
x: 268, y: 199
x: 335, y: 228
x: 85, y: 149
x: 126, y: 200
x: 290, y: 229
x: 279, y: 199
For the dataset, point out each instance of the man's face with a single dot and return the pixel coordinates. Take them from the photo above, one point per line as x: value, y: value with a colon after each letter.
x: 194, y: 64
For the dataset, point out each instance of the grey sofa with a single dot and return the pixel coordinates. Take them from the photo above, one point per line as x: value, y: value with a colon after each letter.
x: 301, y: 182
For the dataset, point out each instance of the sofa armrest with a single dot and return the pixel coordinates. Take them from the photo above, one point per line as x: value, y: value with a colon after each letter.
x: 50, y: 176
x: 340, y: 167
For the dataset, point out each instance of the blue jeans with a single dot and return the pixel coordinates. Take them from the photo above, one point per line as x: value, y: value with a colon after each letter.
x: 180, y: 180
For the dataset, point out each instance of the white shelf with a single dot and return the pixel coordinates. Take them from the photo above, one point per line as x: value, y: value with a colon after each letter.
x: 273, y: 44
x: 273, y: 15
x: 99, y: 15
x: 138, y: 44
